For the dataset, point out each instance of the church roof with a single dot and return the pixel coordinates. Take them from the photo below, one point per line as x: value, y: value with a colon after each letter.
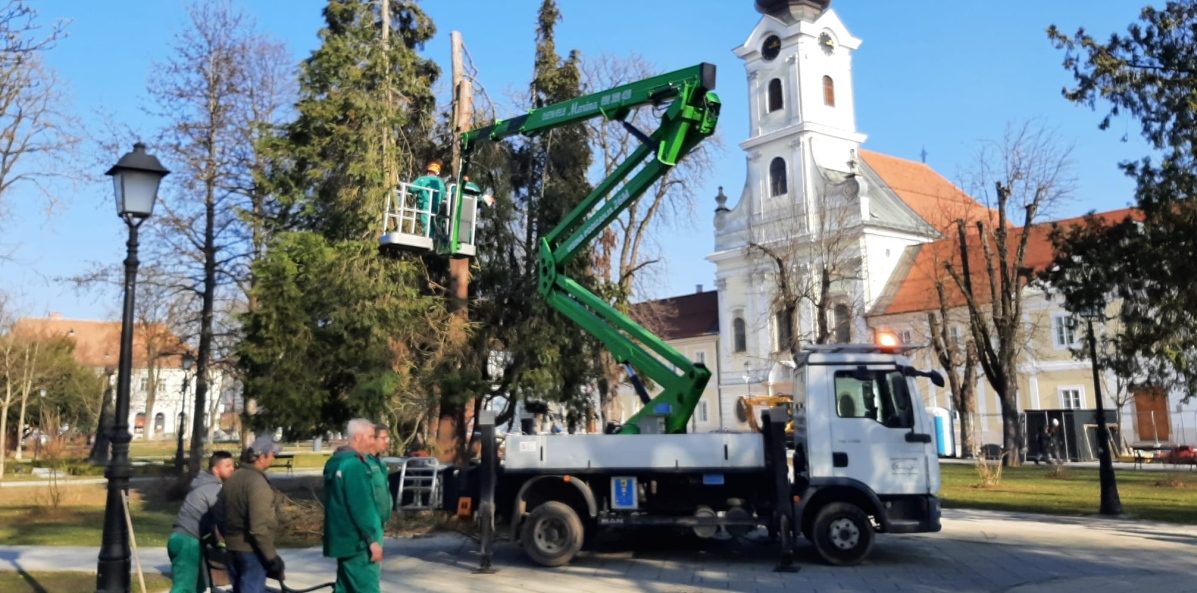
x: 675, y: 318
x: 912, y: 287
x: 934, y: 199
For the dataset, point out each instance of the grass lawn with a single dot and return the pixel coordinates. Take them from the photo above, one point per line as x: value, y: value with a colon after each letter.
x: 69, y: 582
x: 29, y: 517
x: 1153, y: 495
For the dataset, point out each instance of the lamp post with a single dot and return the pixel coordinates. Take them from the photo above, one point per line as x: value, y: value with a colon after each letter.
x: 135, y: 180
x: 186, y: 364
x: 1094, y: 309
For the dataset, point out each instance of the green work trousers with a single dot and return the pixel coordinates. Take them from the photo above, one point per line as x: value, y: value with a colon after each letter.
x: 184, y: 552
x: 356, y: 574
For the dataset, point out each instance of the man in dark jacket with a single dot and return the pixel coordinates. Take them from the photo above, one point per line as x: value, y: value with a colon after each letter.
x: 352, y: 527
x: 248, y: 521
x: 194, y: 523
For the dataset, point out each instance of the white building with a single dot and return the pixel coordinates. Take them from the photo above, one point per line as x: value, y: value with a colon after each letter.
x: 97, y: 345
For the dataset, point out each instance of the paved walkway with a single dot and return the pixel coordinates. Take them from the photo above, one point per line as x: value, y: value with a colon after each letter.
x: 978, y: 551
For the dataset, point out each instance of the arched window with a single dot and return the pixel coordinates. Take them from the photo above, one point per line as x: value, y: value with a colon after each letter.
x: 828, y: 91
x: 775, y: 99
x: 843, y: 324
x: 777, y: 177
x: 159, y: 422
x: 139, y: 423
x: 739, y: 335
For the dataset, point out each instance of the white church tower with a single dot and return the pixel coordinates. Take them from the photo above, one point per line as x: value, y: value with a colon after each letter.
x: 809, y: 202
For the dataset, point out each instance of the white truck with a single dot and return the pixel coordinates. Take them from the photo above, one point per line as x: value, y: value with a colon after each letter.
x: 861, y: 461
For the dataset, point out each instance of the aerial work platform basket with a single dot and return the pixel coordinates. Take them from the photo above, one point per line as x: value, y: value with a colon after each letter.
x: 411, y: 224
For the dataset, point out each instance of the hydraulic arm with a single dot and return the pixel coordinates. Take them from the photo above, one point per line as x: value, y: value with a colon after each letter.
x: 690, y: 117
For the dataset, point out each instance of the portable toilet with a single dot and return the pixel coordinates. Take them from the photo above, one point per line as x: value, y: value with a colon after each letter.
x: 945, y: 437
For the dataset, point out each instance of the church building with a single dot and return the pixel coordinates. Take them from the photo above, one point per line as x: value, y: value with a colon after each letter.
x: 829, y: 242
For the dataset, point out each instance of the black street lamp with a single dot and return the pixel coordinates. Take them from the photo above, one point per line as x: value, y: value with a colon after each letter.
x: 1094, y: 309
x: 135, y: 180
x: 187, y: 362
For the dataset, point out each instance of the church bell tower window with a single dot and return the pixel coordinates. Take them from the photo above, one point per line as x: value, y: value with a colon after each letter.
x: 777, y: 177
x: 828, y: 91
x: 776, y: 102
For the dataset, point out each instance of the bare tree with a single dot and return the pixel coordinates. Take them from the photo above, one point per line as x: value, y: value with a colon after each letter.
x: 35, y: 136
x: 204, y: 94
x: 1027, y: 170
x: 625, y: 250
x: 810, y: 252
x: 960, y: 365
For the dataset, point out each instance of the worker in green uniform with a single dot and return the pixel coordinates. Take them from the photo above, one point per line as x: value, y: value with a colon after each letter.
x: 430, y: 191
x: 382, y: 492
x: 352, y: 526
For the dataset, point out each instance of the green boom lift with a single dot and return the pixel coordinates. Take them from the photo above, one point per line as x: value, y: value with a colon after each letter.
x: 689, y: 119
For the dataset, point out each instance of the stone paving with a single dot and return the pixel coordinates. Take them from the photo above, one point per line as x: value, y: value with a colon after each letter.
x: 977, y: 551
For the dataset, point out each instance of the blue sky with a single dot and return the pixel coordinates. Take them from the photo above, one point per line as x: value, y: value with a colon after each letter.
x: 943, y: 75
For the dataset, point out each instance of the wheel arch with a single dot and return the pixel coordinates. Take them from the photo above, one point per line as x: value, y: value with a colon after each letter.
x: 562, y: 488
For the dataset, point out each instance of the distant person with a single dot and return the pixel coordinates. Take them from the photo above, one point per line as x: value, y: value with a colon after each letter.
x: 1043, y: 439
x: 195, y: 523
x: 249, y: 522
x: 352, y: 527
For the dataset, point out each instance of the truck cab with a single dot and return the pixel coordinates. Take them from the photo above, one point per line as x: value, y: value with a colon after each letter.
x: 864, y: 456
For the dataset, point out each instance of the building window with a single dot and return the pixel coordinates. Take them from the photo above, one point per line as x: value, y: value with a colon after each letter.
x: 843, y: 324
x: 777, y: 177
x: 139, y: 423
x: 783, y: 331
x: 954, y: 332
x: 739, y: 335
x: 159, y: 422
x: 1064, y: 334
x: 906, y: 337
x: 828, y: 91
x: 1071, y: 398
x: 700, y: 357
x: 702, y: 411
x: 145, y: 383
x: 775, y: 99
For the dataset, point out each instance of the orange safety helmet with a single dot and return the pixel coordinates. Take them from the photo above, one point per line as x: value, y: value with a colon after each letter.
x: 434, y: 168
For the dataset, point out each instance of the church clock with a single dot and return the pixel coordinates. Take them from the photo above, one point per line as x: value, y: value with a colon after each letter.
x: 771, y: 47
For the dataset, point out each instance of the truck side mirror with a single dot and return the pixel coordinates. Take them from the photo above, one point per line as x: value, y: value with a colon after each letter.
x: 937, y: 378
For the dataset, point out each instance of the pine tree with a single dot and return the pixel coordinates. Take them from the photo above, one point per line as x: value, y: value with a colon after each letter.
x: 338, y: 330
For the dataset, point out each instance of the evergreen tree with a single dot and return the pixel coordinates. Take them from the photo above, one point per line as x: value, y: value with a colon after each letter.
x: 338, y: 330
x: 1146, y: 260
x: 520, y: 348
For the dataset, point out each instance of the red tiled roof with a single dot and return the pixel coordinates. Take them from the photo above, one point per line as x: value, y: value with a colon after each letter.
x: 680, y: 317
x: 97, y: 343
x: 916, y: 290
x: 926, y: 192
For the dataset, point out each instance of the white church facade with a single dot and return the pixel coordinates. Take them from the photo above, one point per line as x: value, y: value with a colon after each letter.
x: 827, y: 238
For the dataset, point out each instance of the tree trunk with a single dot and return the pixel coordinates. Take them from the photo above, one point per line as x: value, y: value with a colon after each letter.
x: 1011, y: 428
x: 968, y: 401
x: 21, y: 422
x: 151, y: 394
x: 4, y: 430
x: 204, y: 362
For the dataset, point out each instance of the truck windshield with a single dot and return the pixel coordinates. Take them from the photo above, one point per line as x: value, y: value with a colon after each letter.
x: 878, y: 395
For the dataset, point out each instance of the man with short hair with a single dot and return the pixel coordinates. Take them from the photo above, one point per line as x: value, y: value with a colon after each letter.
x: 195, y: 523
x: 249, y: 522
x: 382, y: 492
x: 352, y: 526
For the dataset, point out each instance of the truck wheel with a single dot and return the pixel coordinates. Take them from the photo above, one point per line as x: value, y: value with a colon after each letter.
x: 843, y: 535
x: 552, y: 534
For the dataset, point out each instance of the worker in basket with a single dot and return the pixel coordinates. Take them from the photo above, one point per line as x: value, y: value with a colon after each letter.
x: 430, y: 192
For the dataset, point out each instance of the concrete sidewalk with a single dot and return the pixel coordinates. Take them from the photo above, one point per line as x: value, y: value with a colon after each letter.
x: 977, y: 551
